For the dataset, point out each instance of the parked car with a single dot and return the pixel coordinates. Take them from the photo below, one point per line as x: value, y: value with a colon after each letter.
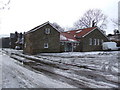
x: 109, y: 46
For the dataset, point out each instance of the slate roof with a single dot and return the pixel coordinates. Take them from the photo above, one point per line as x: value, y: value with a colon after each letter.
x: 81, y: 32
x: 68, y: 35
x: 71, y: 35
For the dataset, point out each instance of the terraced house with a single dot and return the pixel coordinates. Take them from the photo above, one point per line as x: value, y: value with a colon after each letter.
x: 47, y: 38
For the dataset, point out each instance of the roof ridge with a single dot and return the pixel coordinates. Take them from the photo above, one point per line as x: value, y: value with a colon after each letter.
x: 81, y: 29
x: 37, y: 27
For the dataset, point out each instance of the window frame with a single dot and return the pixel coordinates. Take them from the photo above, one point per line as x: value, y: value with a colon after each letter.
x: 95, y: 41
x: 102, y: 41
x: 46, y: 45
x: 47, y: 30
x: 90, y: 41
x: 98, y: 41
x: 25, y: 45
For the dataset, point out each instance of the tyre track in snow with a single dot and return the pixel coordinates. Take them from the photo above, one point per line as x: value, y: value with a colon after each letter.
x: 49, y: 71
x: 46, y: 71
x: 15, y: 76
x: 91, y: 73
x: 43, y: 67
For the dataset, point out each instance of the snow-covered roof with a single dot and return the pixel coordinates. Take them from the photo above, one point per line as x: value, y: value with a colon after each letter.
x: 67, y: 37
x: 84, y: 32
x: 78, y: 31
x: 81, y: 32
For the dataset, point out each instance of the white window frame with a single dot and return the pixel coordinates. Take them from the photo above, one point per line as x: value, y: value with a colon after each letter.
x: 90, y: 41
x: 62, y: 43
x: 102, y: 41
x: 95, y: 41
x: 98, y: 42
x: 47, y: 30
x: 77, y: 44
x: 25, y: 45
x: 46, y: 45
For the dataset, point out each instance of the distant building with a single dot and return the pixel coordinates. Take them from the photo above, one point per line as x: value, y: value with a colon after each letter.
x: 16, y: 40
x: 47, y: 38
x: 13, y: 39
x: 5, y: 42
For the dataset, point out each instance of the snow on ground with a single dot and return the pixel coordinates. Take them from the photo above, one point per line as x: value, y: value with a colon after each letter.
x: 80, y: 53
x: 0, y: 72
x: 16, y: 76
x: 90, y: 69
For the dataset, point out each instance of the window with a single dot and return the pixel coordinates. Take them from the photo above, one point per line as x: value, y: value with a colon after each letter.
x: 95, y: 41
x: 62, y: 43
x: 77, y: 43
x: 47, y: 31
x: 45, y: 45
x: 98, y: 42
x: 25, y: 45
x: 90, y: 41
x: 102, y: 41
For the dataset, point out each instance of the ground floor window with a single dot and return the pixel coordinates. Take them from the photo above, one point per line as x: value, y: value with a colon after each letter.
x: 62, y: 43
x: 95, y: 41
x: 90, y: 41
x: 25, y: 45
x: 98, y: 42
x: 45, y: 45
x: 102, y: 41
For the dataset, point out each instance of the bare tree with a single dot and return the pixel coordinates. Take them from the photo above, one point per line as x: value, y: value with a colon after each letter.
x: 116, y: 22
x: 58, y: 27
x: 116, y: 31
x: 93, y: 17
x: 4, y: 4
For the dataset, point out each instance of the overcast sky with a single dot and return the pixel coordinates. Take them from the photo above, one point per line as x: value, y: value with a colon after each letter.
x: 24, y: 15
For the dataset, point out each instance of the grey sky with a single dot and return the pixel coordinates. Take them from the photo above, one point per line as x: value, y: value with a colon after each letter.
x: 24, y: 15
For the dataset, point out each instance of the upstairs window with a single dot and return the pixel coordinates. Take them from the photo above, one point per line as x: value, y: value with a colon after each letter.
x: 45, y: 45
x: 90, y: 41
x: 47, y: 30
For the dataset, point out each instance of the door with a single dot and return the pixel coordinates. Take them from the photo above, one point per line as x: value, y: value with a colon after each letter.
x: 68, y: 47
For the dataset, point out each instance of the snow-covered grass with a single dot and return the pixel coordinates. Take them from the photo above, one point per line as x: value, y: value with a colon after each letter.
x: 80, y: 53
x: 99, y: 68
x: 15, y: 76
x: 0, y: 72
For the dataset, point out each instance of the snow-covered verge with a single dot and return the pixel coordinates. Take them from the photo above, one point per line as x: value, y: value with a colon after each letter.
x: 16, y: 76
x: 0, y: 72
x: 83, y: 69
